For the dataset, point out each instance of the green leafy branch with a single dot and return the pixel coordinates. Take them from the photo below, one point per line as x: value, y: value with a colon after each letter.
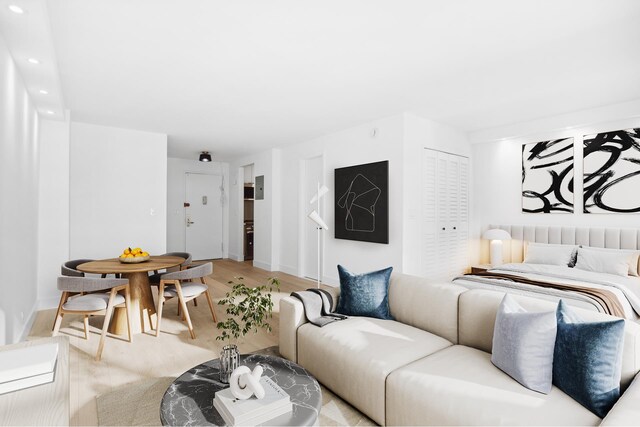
x: 248, y: 309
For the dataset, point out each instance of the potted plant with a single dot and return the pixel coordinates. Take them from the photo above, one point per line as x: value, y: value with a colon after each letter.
x: 248, y: 309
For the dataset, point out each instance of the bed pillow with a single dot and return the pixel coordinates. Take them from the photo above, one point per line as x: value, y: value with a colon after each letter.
x: 603, y: 262
x: 545, y: 253
x: 587, y: 362
x: 364, y: 294
x: 523, y: 345
x: 633, y: 255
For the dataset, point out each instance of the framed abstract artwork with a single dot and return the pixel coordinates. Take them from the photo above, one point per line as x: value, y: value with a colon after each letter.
x: 611, y: 165
x: 362, y: 202
x: 547, y: 176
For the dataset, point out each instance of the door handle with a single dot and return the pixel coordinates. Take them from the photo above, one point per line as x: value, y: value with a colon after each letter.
x: 189, y: 222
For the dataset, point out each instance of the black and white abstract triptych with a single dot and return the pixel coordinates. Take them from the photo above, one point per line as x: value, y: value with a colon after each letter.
x: 611, y: 174
x: 547, y: 176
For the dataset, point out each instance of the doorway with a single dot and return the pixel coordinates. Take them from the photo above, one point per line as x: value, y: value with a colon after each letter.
x: 247, y: 215
x: 312, y: 176
x: 203, y: 215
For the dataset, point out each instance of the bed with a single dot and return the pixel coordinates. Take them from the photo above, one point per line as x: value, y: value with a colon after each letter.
x: 594, y: 290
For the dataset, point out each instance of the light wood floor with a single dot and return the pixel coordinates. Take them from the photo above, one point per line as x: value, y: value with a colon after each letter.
x: 149, y: 357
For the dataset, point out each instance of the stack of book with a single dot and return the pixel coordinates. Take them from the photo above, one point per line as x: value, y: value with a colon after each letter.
x: 27, y: 367
x: 253, y: 411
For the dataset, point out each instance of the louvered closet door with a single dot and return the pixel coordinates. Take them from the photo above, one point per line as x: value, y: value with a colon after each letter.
x: 443, y: 204
x: 445, y: 215
x: 462, y: 245
x: 452, y: 224
x: 429, y: 224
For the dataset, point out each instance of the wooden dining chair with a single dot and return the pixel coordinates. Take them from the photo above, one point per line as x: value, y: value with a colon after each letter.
x: 175, y: 284
x: 154, y: 278
x: 69, y: 269
x: 81, y: 295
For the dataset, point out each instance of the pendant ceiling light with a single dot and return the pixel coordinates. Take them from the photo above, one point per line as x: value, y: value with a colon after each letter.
x: 205, y: 156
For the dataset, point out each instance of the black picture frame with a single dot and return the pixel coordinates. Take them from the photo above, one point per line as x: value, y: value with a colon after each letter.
x: 362, y: 202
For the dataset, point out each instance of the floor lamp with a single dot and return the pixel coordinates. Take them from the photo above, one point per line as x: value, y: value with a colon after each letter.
x: 315, y: 217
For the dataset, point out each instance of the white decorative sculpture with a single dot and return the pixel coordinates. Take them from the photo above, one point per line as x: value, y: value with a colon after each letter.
x: 244, y: 383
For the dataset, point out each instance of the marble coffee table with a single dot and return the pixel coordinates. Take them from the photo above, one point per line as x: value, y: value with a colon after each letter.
x: 189, y: 399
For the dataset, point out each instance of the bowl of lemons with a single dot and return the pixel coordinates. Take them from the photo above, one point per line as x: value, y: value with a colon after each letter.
x: 133, y: 256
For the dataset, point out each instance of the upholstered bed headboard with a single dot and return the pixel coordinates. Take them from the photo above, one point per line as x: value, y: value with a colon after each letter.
x: 613, y: 238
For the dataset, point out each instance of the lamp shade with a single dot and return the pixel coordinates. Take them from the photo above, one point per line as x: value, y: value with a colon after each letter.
x: 496, y: 234
x: 315, y: 217
x: 321, y: 192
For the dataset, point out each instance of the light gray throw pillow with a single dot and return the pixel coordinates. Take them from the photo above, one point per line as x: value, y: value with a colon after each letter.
x: 523, y: 345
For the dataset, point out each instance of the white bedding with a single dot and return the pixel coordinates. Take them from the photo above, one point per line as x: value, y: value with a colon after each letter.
x: 627, y: 289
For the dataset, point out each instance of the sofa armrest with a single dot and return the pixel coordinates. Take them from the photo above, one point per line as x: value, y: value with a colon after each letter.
x: 626, y: 411
x: 291, y: 318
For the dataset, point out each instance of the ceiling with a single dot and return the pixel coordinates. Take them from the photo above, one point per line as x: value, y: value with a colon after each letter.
x: 234, y: 77
x: 28, y: 37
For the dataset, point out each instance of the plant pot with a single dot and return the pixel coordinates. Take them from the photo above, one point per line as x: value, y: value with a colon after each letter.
x: 229, y: 360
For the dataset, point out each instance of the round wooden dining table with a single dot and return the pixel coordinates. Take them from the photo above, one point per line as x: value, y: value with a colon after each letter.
x: 142, y: 305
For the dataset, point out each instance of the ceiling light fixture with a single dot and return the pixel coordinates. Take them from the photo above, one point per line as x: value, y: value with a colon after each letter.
x: 44, y: 92
x: 205, y: 156
x: 33, y: 60
x: 50, y: 112
x: 16, y: 9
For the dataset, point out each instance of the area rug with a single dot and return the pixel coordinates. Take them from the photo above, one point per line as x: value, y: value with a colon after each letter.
x: 138, y: 404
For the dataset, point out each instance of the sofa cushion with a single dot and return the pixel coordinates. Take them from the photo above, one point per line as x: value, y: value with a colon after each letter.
x: 460, y: 386
x: 477, y: 316
x: 588, y: 360
x: 364, y: 294
x: 354, y: 357
x: 432, y: 307
x: 626, y: 411
x: 523, y: 344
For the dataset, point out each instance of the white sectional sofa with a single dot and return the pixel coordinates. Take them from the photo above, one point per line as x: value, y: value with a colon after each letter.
x: 432, y: 365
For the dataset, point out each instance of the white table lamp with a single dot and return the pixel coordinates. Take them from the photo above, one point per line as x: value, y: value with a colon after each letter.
x: 496, y: 236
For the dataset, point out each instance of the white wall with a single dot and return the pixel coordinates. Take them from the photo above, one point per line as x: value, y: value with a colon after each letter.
x: 497, y: 184
x: 53, y: 218
x: 176, y: 170
x: 118, y: 191
x: 19, y: 127
x: 346, y: 148
x: 399, y: 139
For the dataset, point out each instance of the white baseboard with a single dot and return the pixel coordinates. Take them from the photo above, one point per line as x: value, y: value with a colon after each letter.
x: 331, y: 281
x: 236, y: 257
x: 289, y: 270
x: 29, y: 323
x: 48, y: 303
x: 262, y: 265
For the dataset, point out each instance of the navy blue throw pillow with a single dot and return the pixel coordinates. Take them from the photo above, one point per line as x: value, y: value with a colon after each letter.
x: 587, y: 362
x: 364, y: 294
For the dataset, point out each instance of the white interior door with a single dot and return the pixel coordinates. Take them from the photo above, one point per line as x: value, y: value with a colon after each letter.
x: 312, y: 176
x: 203, y: 215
